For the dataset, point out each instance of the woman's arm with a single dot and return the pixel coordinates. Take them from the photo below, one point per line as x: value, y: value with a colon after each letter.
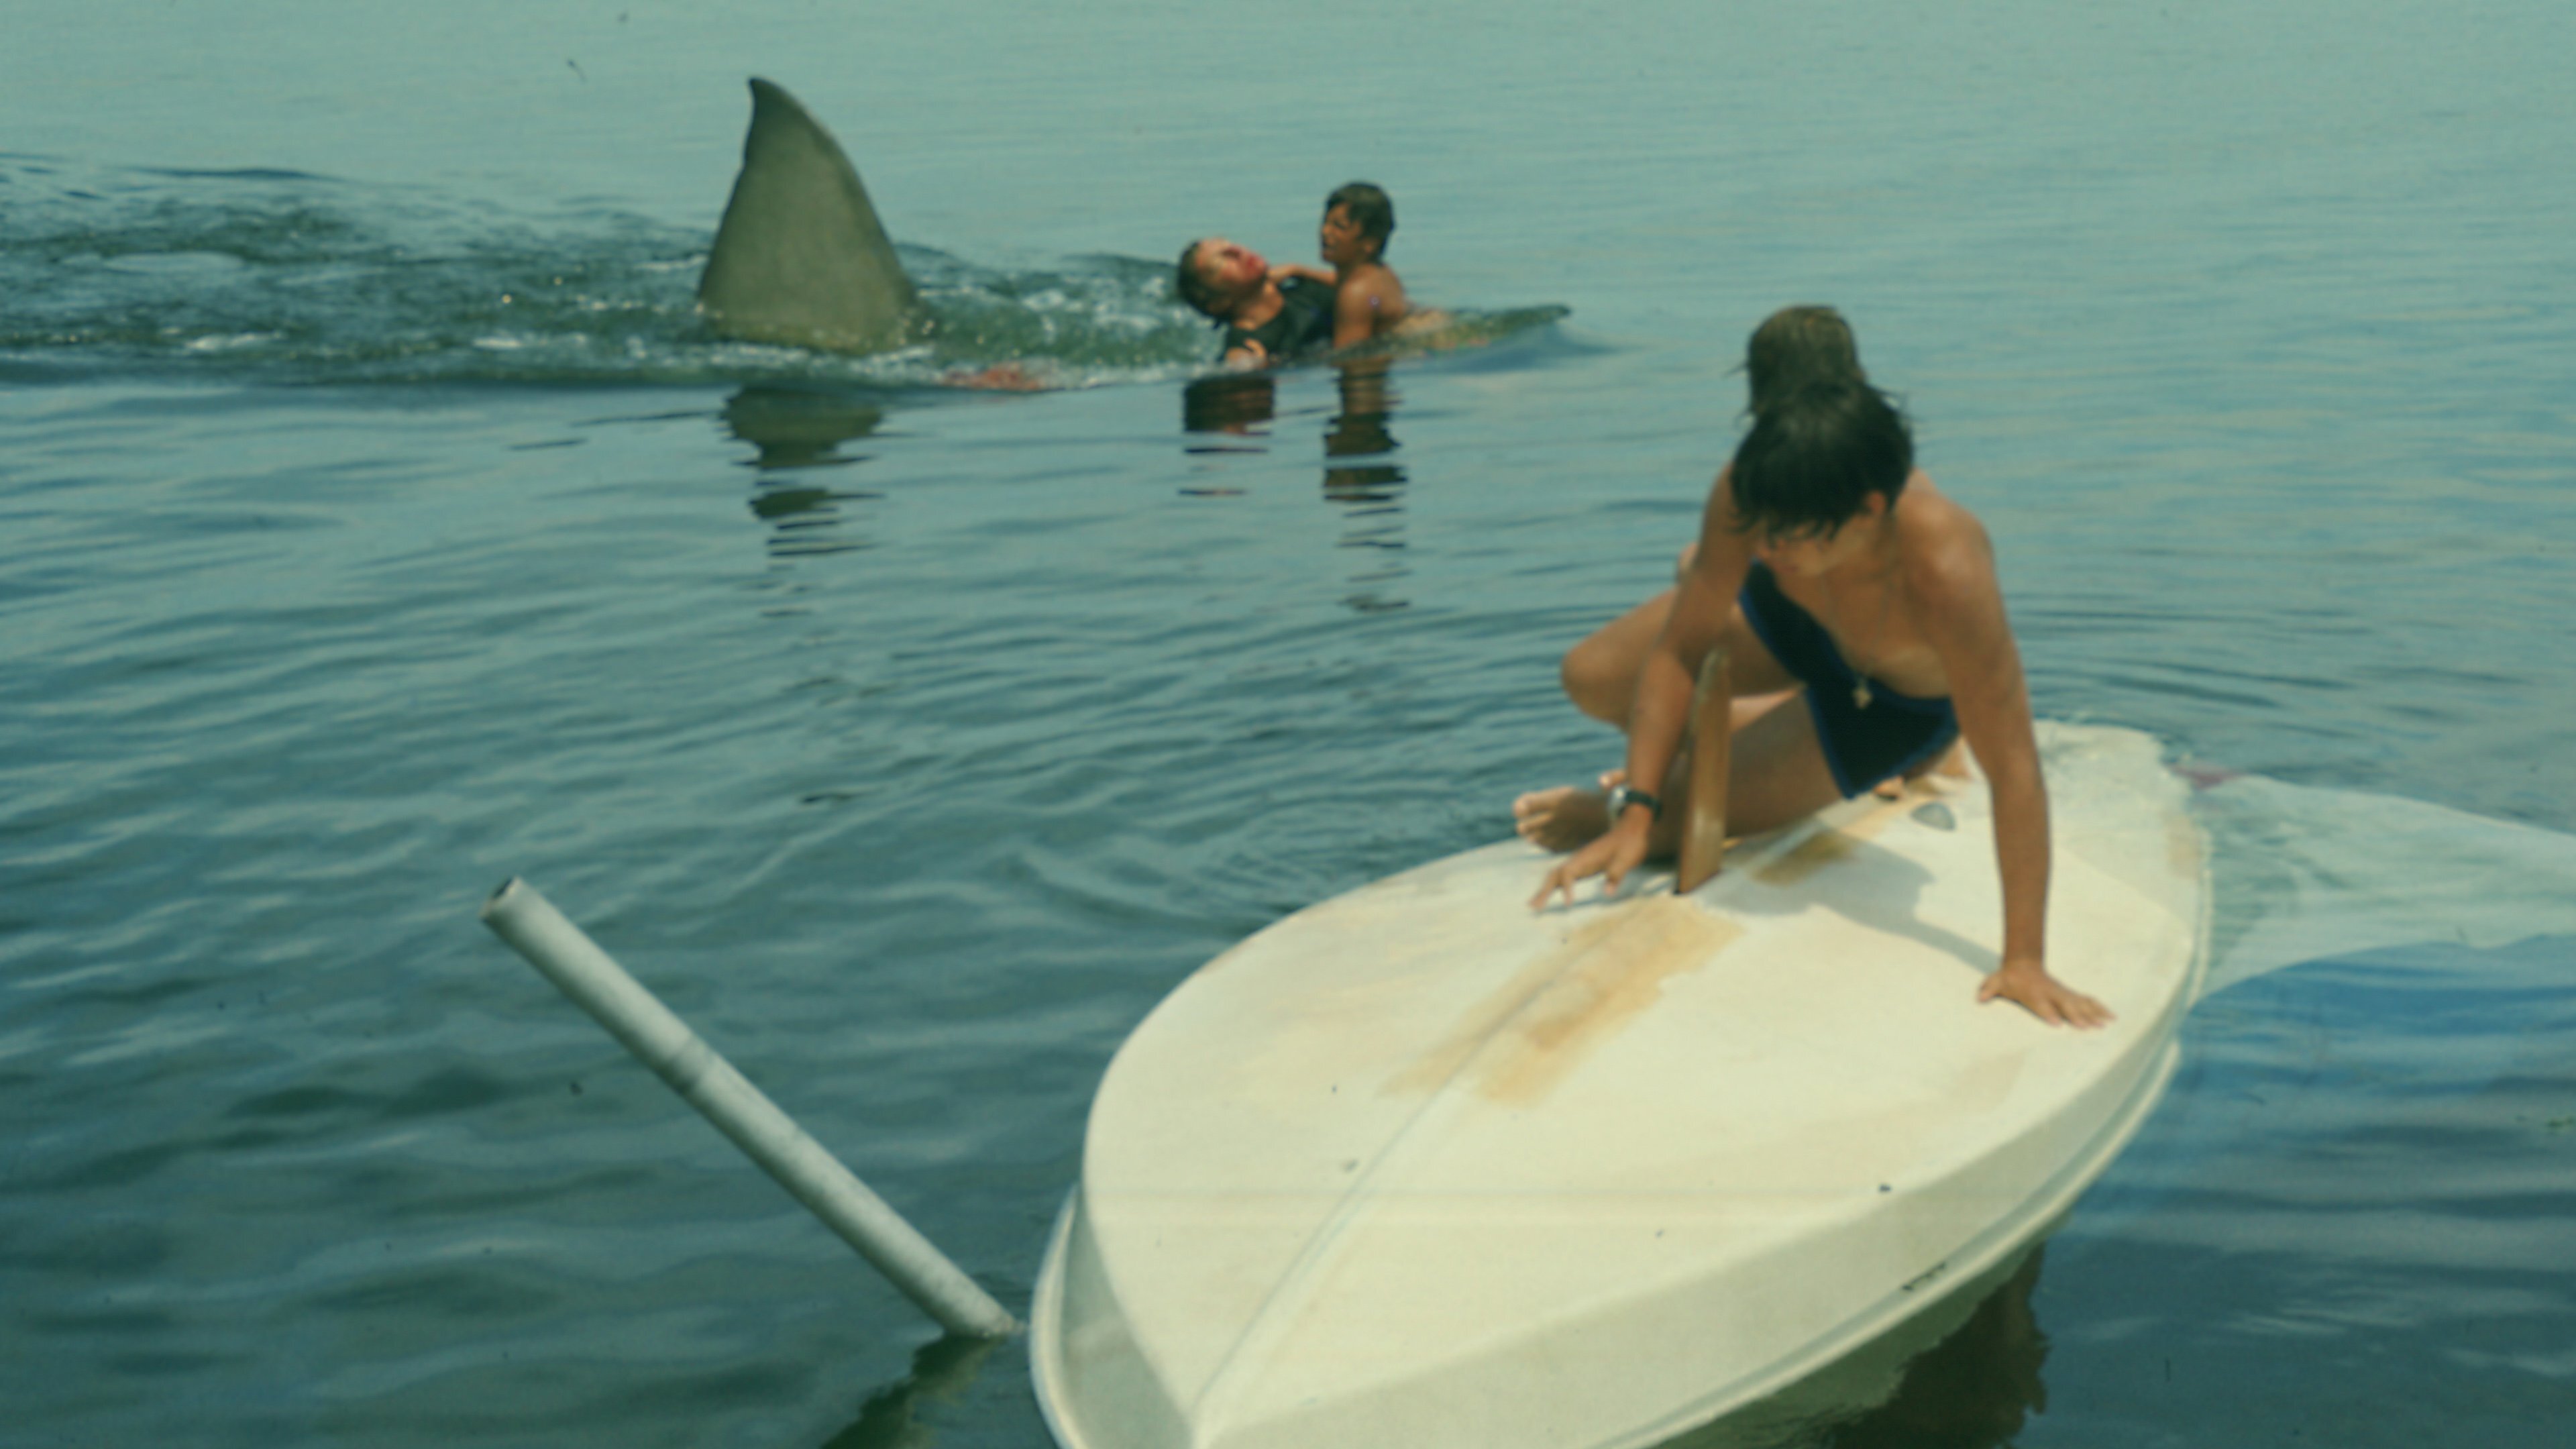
x: 1963, y: 616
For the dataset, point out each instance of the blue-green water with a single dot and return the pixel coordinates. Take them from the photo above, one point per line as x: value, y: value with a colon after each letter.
x: 379, y: 524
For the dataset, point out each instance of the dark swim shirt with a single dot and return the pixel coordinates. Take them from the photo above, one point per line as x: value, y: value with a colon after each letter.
x: 1304, y: 322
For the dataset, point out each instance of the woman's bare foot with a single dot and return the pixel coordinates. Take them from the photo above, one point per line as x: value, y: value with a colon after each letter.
x: 1568, y: 817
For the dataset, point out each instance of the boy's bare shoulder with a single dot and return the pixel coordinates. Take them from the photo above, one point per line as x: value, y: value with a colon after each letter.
x: 1374, y: 279
x: 1368, y: 303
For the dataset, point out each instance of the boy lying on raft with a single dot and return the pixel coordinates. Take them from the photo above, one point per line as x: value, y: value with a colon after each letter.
x: 1276, y: 313
x: 1831, y: 571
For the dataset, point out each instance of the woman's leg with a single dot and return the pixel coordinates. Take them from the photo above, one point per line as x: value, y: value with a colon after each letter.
x: 1568, y: 817
x: 1600, y: 674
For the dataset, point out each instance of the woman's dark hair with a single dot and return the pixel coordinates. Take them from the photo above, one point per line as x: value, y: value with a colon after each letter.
x: 1193, y: 288
x: 1815, y: 455
x: 1797, y: 348
x: 1370, y: 210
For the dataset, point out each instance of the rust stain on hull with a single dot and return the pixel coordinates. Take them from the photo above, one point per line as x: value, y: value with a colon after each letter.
x: 2184, y: 849
x: 1532, y: 1032
x: 1827, y: 846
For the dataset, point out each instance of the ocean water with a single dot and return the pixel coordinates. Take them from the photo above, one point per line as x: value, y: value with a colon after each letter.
x: 380, y: 524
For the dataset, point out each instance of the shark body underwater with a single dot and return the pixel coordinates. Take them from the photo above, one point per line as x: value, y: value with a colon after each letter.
x: 800, y: 258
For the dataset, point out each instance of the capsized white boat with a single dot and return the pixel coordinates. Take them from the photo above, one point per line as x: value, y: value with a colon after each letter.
x: 1419, y: 1167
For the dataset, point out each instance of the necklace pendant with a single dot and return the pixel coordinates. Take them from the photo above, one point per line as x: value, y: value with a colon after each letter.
x: 1860, y: 694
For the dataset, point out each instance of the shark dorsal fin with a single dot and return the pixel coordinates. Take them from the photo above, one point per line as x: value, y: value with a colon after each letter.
x: 800, y: 257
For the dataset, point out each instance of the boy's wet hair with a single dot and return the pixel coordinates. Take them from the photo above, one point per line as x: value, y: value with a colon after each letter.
x: 1193, y: 288
x: 1815, y: 455
x: 1369, y: 209
x: 1797, y: 348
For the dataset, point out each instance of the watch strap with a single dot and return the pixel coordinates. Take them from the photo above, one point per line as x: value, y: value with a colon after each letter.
x: 1622, y: 796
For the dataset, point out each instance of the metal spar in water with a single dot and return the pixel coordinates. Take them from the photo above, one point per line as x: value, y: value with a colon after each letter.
x: 524, y: 918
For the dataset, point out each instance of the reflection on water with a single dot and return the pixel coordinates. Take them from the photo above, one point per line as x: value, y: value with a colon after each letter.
x: 1236, y: 403
x: 1973, y: 1389
x: 943, y: 1369
x: 1962, y: 1374
x: 1360, y: 475
x: 1232, y: 413
x: 796, y: 430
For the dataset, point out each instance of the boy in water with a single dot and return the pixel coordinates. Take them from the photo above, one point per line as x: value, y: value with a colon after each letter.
x: 1368, y: 300
x: 1836, y: 575
x: 1275, y: 313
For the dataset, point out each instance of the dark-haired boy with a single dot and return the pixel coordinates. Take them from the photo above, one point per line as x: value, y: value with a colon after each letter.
x: 1829, y: 566
x: 1368, y: 300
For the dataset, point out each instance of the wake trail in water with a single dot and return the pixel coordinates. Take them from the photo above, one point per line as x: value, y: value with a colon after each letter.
x: 281, y: 277
x: 2305, y: 874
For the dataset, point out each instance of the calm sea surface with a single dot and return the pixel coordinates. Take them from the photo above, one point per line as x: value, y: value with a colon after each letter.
x: 379, y: 523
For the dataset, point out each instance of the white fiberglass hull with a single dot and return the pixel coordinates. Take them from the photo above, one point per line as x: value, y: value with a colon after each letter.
x: 1419, y: 1167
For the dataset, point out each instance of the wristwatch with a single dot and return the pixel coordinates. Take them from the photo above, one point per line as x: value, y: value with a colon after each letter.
x: 1621, y: 797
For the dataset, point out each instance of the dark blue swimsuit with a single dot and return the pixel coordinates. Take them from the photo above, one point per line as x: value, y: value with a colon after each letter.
x: 1864, y: 744
x: 1304, y: 323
